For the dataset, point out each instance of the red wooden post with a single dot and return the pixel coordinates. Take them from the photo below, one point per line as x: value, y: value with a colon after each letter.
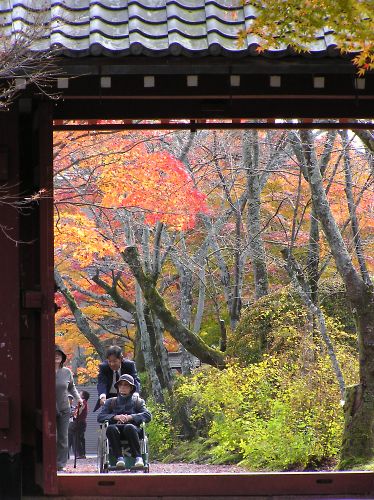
x: 47, y: 319
x: 10, y: 396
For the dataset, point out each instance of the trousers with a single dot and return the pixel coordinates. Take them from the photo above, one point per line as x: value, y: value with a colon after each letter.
x: 77, y: 440
x: 62, y: 443
x: 130, y: 432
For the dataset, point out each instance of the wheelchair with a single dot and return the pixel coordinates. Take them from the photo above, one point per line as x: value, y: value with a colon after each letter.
x: 106, y: 461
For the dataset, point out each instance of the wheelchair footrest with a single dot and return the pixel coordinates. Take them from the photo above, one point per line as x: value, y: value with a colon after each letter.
x: 129, y: 469
x: 129, y: 463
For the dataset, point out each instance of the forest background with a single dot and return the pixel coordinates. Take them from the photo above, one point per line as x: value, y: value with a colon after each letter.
x: 218, y: 244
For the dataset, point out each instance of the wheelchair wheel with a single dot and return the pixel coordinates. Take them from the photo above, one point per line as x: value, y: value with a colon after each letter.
x: 100, y: 461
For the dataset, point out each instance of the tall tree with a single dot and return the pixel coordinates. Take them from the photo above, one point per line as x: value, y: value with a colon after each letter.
x: 358, y: 441
x: 259, y: 162
x: 120, y: 206
x: 186, y: 337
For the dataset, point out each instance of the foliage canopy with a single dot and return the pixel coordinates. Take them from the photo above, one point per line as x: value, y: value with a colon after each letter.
x: 299, y: 24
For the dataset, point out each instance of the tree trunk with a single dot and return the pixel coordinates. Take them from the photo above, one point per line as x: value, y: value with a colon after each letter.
x: 223, y: 338
x: 201, y: 299
x: 358, y: 442
x: 313, y: 257
x: 186, y: 337
x: 352, y: 209
x: 236, y: 303
x: 232, y: 292
x: 138, y: 354
x: 156, y: 333
x: 147, y: 348
x: 186, y: 267
x: 303, y: 288
x: 367, y: 137
x: 186, y: 282
x: 358, y: 439
x: 256, y: 246
x: 223, y: 269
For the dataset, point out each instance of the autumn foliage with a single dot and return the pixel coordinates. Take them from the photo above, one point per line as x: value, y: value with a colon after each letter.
x: 110, y: 189
x: 301, y: 24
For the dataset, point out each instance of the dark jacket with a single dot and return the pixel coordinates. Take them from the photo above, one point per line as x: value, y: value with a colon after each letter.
x: 80, y: 414
x: 132, y: 404
x: 105, y: 377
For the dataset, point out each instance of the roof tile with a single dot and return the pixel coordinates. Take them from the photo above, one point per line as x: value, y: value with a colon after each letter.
x: 149, y: 27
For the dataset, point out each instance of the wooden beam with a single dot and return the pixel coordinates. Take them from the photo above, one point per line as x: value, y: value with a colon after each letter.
x: 220, y: 486
x: 202, y: 125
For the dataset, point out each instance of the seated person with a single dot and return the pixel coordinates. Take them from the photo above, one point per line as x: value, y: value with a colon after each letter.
x: 125, y: 413
x: 110, y: 371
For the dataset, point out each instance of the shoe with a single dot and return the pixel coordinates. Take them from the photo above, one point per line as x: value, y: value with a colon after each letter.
x: 61, y: 469
x: 139, y: 462
x: 120, y: 463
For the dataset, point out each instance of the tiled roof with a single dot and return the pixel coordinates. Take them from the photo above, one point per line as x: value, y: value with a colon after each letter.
x: 144, y: 27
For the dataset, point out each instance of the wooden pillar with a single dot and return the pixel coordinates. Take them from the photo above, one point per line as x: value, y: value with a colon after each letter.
x: 10, y: 395
x: 47, y: 286
x: 37, y: 293
x: 27, y: 383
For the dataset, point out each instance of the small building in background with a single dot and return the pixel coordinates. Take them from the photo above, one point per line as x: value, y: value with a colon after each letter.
x: 175, y: 361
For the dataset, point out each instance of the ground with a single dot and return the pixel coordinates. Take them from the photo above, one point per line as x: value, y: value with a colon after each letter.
x: 88, y: 465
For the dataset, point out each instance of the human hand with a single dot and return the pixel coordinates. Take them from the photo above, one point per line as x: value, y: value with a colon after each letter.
x: 123, y: 419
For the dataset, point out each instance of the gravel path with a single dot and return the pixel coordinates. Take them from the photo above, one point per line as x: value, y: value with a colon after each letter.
x: 88, y: 466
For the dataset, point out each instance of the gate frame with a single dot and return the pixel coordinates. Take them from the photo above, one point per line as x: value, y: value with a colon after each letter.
x: 134, y: 89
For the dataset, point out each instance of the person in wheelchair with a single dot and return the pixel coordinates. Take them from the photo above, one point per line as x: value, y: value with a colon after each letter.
x: 125, y: 414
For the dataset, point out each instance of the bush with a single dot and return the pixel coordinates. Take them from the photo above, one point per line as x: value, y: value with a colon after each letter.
x: 277, y: 404
x: 160, y: 430
x: 272, y: 324
x: 279, y: 323
x: 269, y: 415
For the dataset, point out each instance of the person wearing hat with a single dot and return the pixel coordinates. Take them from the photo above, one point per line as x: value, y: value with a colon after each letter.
x: 64, y: 386
x: 124, y: 414
x: 110, y: 370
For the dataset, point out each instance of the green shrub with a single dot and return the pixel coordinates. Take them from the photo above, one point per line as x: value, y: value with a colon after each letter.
x: 270, y: 325
x: 333, y: 299
x: 160, y: 430
x: 271, y: 415
x: 279, y: 323
x: 277, y: 404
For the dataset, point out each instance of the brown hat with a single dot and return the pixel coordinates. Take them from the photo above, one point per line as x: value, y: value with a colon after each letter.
x: 58, y: 349
x: 125, y: 378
